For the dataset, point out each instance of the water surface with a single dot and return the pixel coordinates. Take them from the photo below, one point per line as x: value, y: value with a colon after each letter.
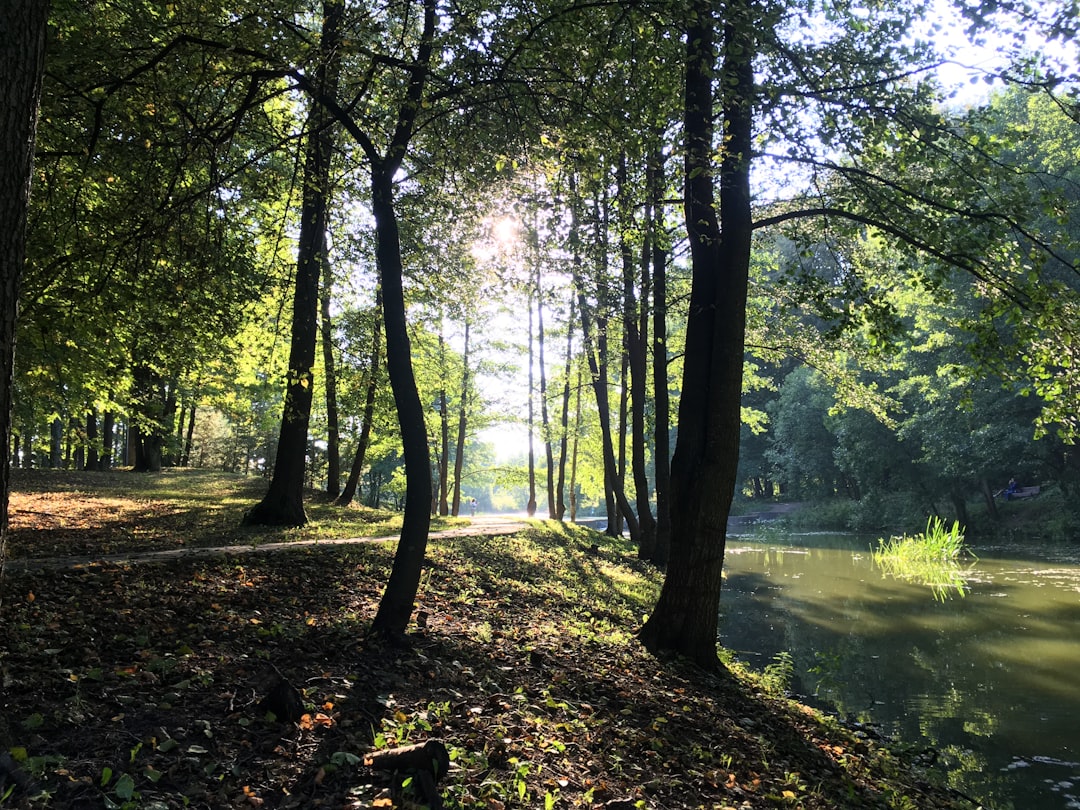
x: 988, y: 683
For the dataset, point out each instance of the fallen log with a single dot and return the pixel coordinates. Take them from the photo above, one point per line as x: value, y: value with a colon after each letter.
x: 426, y: 762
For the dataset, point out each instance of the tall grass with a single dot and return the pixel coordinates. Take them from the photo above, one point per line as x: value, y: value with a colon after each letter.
x: 929, y: 558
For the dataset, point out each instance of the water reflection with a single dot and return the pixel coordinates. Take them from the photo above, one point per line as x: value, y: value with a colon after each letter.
x: 988, y: 680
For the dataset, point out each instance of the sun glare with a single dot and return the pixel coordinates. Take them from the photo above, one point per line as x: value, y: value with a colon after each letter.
x: 504, y: 231
x: 498, y: 237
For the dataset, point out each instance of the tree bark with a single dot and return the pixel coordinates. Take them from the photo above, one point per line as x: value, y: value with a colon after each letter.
x: 463, y: 423
x: 704, y: 466
x: 564, y: 419
x: 574, y: 452
x: 108, y: 434
x: 333, y: 433
x: 396, y: 604
x: 545, y: 426
x: 661, y: 398
x: 444, y: 429
x: 371, y: 388
x: 283, y: 504
x: 189, y: 435
x: 624, y: 408
x: 56, y: 444
x: 599, y: 383
x: 92, y: 457
x: 635, y: 331
x: 530, y: 507
x: 22, y: 59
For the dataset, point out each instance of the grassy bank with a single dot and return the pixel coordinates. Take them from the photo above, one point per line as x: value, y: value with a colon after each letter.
x: 141, y: 686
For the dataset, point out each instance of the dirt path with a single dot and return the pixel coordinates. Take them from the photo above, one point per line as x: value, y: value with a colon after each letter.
x: 490, y: 525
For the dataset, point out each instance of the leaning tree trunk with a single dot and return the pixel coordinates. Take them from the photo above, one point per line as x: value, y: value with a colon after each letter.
x: 599, y: 382
x: 283, y: 504
x: 22, y: 59
x: 371, y: 388
x: 704, y: 466
x: 396, y: 605
x: 189, y: 435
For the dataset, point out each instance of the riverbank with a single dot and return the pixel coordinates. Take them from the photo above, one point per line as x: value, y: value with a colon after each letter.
x: 144, y: 686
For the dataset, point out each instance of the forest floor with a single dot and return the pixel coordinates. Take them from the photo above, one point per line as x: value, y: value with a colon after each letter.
x: 145, y: 685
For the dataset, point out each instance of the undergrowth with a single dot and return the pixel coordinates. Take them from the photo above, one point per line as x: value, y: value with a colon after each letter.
x: 141, y: 687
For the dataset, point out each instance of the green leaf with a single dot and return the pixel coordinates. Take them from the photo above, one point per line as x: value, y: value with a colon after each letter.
x: 106, y: 775
x: 36, y: 720
x: 165, y: 746
x: 125, y: 787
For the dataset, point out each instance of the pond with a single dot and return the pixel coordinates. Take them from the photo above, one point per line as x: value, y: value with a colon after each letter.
x: 987, y: 683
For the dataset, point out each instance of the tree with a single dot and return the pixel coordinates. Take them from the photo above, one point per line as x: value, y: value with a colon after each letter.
x: 369, y: 387
x: 936, y: 197
x: 283, y: 503
x: 22, y: 60
x: 705, y: 461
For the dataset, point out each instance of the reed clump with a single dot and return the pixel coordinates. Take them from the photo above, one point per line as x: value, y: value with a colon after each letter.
x: 932, y: 557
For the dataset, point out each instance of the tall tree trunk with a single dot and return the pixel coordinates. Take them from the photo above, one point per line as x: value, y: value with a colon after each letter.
x: 599, y: 382
x: 396, y: 605
x: 181, y: 421
x: 333, y: 432
x: 635, y: 336
x: 444, y: 430
x: 56, y: 444
x: 370, y: 389
x: 91, y: 440
x: 22, y: 59
x: 530, y: 507
x: 959, y: 502
x: 463, y: 423
x: 108, y: 439
x: 189, y: 435
x: 661, y: 399
x: 704, y: 466
x: 624, y: 409
x: 564, y: 419
x: 79, y: 445
x: 283, y: 504
x: 155, y: 410
x: 545, y: 426
x: 574, y: 454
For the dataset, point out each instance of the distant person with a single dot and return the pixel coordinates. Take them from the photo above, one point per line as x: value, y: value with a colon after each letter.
x: 472, y: 506
x: 1010, y: 490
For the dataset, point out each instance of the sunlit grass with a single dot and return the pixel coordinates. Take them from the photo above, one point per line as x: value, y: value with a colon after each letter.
x: 932, y: 557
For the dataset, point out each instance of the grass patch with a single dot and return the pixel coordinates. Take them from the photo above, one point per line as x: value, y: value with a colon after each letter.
x: 931, y: 558
x: 58, y: 513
